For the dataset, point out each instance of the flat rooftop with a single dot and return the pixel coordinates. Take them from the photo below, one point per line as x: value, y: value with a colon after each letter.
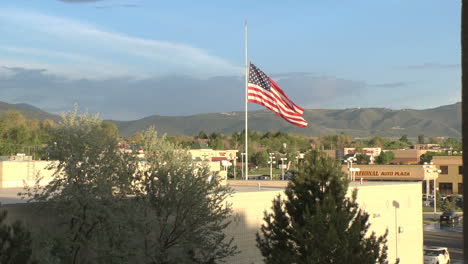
x: 10, y: 195
x: 266, y: 185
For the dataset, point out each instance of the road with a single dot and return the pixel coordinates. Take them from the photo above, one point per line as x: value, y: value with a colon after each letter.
x: 446, y: 236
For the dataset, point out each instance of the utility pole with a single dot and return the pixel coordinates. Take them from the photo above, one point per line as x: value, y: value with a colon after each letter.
x: 271, y: 162
x: 282, y: 167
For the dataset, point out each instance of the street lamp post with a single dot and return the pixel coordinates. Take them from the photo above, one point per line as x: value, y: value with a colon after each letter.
x: 430, y: 170
x: 282, y: 167
x: 352, y: 171
x: 234, y: 161
x: 271, y: 162
x: 427, y: 184
x: 435, y: 194
x: 242, y: 160
x: 349, y: 161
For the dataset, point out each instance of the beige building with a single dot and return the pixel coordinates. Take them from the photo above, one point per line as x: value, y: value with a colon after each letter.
x: 450, y: 179
x: 391, y: 172
x: 392, y: 206
x: 16, y: 171
x: 218, y: 160
x: 374, y: 152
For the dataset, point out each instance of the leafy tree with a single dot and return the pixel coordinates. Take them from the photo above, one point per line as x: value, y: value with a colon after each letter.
x: 377, y: 142
x: 261, y: 158
x: 420, y: 139
x: 452, y: 143
x: 385, y: 157
x: 317, y: 223
x: 404, y: 139
x: 427, y: 157
x: 235, y: 140
x: 435, y: 140
x: 15, y: 242
x: 87, y: 191
x: 180, y: 208
x: 216, y: 143
x: 113, y: 209
x: 396, y: 145
x: 136, y: 138
x: 335, y: 141
x: 110, y: 129
x: 202, y: 135
x: 446, y: 205
x: 363, y: 159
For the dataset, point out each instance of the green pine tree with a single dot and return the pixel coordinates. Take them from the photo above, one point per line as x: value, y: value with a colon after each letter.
x: 318, y: 223
x: 15, y: 242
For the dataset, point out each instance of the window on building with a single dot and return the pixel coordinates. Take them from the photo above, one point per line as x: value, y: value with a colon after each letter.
x: 460, y: 170
x: 444, y: 169
x: 445, y: 188
x: 460, y: 188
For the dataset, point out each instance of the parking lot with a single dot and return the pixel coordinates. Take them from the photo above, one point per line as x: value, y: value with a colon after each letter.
x: 445, y: 235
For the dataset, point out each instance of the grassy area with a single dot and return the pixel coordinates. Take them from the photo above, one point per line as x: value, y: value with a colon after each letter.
x: 264, y: 171
x: 431, y: 209
x: 430, y: 221
x: 261, y: 171
x: 428, y: 209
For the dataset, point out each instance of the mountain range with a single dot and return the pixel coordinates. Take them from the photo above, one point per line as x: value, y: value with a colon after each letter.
x: 28, y: 111
x: 359, y: 122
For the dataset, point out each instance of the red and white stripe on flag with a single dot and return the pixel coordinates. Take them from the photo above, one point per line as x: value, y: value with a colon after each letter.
x: 277, y: 101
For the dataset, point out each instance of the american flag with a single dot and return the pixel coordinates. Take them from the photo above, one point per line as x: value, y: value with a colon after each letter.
x: 264, y: 91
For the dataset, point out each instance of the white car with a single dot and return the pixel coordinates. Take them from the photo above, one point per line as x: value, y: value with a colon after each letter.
x: 436, y: 255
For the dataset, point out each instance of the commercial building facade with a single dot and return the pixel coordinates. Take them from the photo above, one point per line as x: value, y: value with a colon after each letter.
x: 16, y: 171
x: 450, y: 179
x: 392, y: 206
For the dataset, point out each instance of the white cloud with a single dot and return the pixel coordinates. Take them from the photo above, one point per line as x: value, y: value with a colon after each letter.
x: 73, y: 66
x: 104, y: 49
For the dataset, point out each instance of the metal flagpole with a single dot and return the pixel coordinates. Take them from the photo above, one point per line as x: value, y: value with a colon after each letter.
x: 246, y: 101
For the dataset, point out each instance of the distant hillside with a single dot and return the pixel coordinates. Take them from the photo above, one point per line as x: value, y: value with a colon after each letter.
x: 29, y: 111
x: 359, y: 122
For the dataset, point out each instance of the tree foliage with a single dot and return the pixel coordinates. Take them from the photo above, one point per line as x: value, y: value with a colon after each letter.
x: 385, y: 157
x: 15, y: 242
x: 317, y: 223
x: 19, y: 135
x: 427, y: 157
x: 363, y: 159
x: 112, y: 208
x: 181, y: 205
x: 452, y: 143
x: 421, y: 139
x: 88, y: 186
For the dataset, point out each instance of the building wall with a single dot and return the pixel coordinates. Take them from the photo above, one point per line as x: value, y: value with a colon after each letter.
x: 209, y: 154
x: 391, y: 172
x: 14, y: 174
x: 453, y: 175
x: 410, y: 156
x: 396, y: 207
x: 368, y: 151
x: 392, y: 206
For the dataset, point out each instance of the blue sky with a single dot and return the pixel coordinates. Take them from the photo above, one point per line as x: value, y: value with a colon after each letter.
x: 132, y: 58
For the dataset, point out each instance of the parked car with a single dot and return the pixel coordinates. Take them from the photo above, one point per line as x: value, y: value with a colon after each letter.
x: 449, y: 218
x: 436, y: 255
x: 260, y: 177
